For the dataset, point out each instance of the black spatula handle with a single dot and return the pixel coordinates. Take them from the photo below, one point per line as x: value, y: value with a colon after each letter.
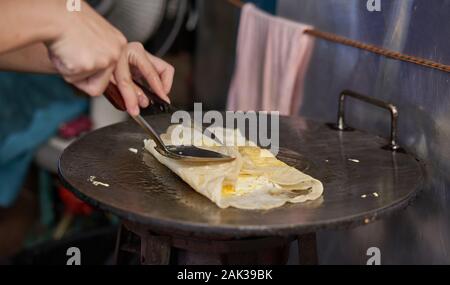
x: 112, y: 93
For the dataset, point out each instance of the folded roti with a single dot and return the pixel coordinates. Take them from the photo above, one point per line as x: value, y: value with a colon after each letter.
x: 256, y: 179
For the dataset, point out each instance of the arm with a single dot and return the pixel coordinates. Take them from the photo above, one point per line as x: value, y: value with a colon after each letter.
x: 24, y: 25
x: 86, y: 50
x: 43, y: 36
x: 32, y: 58
x: 26, y: 22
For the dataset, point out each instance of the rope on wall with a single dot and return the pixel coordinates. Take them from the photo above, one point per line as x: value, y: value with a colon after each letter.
x: 379, y: 50
x: 368, y: 47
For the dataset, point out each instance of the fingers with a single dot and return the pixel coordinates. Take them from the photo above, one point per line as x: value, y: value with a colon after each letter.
x: 165, y: 71
x: 139, y: 59
x: 156, y: 72
x: 142, y: 98
x: 95, y: 84
x: 74, y: 78
x: 126, y: 86
x: 144, y: 102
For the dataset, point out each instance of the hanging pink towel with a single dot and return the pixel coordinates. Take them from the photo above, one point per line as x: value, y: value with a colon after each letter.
x: 271, y: 61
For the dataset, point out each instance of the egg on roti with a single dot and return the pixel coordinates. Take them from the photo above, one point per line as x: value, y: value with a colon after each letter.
x: 256, y: 179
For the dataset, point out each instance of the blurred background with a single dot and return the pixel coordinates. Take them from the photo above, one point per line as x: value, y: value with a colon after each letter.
x: 39, y: 218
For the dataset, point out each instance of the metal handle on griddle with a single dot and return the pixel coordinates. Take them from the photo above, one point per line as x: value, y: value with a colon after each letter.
x: 393, y: 145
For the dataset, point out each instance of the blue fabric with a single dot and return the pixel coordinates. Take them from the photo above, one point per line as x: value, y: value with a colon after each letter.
x: 269, y: 6
x: 32, y: 108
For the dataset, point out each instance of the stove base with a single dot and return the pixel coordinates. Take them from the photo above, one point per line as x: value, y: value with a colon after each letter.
x: 139, y: 244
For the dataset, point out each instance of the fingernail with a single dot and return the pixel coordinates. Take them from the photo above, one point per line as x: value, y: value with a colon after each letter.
x: 143, y: 101
x: 135, y: 111
x: 167, y: 99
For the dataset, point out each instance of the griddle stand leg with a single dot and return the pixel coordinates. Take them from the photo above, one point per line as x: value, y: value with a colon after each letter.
x: 127, y: 247
x: 307, y: 249
x: 135, y: 240
x: 155, y: 250
x: 151, y: 250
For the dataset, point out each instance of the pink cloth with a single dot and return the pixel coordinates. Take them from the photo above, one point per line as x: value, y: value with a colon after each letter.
x: 271, y: 61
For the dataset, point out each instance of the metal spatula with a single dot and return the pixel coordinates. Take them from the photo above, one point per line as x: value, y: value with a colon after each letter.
x: 185, y: 153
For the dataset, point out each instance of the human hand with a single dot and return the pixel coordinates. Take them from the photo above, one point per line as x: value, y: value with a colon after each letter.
x: 136, y: 63
x: 86, y: 49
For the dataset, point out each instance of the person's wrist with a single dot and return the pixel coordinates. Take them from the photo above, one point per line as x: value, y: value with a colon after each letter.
x: 56, y: 19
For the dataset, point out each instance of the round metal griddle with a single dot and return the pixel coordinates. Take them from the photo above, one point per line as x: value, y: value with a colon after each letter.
x: 144, y: 191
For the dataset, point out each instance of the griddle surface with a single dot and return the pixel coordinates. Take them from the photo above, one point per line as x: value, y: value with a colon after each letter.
x: 144, y: 191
